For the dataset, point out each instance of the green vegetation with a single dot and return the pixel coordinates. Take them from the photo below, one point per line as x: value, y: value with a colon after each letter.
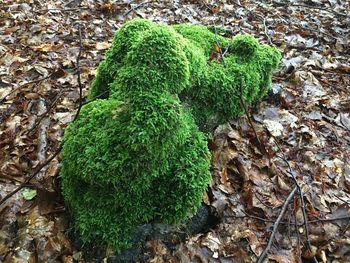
x: 139, y: 155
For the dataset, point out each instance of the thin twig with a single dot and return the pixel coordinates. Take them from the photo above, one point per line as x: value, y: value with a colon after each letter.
x: 276, y: 224
x: 23, y: 85
x: 135, y: 7
x: 96, y: 97
x: 329, y: 219
x: 265, y: 28
x: 261, y: 145
x: 78, y: 73
x: 298, y: 234
x: 286, y: 223
x: 322, y: 8
x: 63, y: 9
x: 42, y: 116
x: 301, y: 195
x: 70, y: 2
x: 22, y: 185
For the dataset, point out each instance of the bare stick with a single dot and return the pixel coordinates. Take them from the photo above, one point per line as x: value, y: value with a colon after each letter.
x: 3, y: 200
x: 298, y: 234
x: 299, y: 191
x: 96, y: 97
x: 306, y: 223
x: 291, y: 223
x: 322, y: 8
x: 63, y: 9
x: 301, y: 196
x: 134, y: 8
x: 79, y: 79
x: 265, y: 28
x: 276, y: 224
x: 70, y: 2
x: 330, y: 219
x: 261, y: 145
x: 42, y: 116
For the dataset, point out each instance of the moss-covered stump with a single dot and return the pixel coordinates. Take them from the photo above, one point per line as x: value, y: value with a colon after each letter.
x: 214, y: 88
x: 138, y: 155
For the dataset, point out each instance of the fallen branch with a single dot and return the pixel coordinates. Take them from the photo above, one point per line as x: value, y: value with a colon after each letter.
x: 297, y: 232
x: 276, y: 224
x: 301, y: 196
x: 71, y: 2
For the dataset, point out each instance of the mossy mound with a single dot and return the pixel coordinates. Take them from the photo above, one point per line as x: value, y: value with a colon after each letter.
x: 214, y: 88
x: 138, y: 155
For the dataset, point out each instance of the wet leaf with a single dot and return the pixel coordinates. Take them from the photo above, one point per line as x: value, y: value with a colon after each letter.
x: 29, y: 194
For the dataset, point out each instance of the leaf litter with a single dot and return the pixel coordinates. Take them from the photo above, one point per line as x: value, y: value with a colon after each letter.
x: 304, y: 126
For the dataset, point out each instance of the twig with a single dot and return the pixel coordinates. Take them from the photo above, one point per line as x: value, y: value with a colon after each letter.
x: 42, y: 116
x: 23, y: 85
x: 134, y: 8
x: 306, y: 223
x: 343, y: 123
x: 276, y: 224
x: 318, y: 31
x: 96, y: 97
x: 3, y: 200
x: 329, y: 219
x: 265, y: 28
x: 79, y: 79
x: 63, y: 9
x: 298, y: 234
x: 68, y: 3
x: 72, y: 1
x: 345, y: 229
x: 261, y: 145
x: 322, y: 8
x: 287, y: 223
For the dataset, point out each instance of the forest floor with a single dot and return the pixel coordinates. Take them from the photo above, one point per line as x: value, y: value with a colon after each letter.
x: 289, y: 156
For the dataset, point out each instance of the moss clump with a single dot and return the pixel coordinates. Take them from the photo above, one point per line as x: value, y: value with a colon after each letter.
x: 214, y: 89
x: 139, y: 155
x: 245, y: 73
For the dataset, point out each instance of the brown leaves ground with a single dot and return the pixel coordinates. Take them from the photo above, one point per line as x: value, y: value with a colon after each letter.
x: 304, y: 126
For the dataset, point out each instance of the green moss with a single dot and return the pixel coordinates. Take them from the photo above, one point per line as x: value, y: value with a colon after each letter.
x: 201, y: 37
x: 139, y: 155
x: 245, y: 46
x: 115, y: 56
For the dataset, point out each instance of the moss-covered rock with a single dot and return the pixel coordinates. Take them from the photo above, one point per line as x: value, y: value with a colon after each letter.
x: 214, y: 88
x: 139, y: 155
